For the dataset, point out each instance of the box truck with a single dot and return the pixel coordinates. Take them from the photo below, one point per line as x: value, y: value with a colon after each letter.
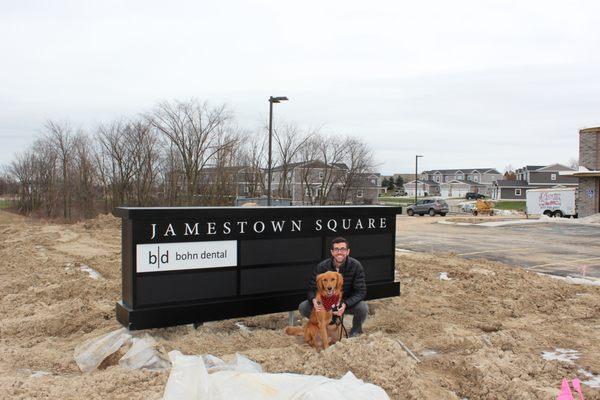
x: 556, y: 202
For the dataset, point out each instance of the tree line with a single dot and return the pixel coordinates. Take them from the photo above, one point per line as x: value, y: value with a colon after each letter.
x: 180, y: 153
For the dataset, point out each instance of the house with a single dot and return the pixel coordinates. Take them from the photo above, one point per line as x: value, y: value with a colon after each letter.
x: 460, y: 188
x: 510, y: 189
x: 315, y: 182
x: 588, y: 173
x: 532, y: 176
x: 455, y: 182
x: 545, y: 176
x: 424, y: 188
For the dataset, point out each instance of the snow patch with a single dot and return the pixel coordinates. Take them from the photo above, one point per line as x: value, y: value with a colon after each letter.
x: 593, y: 382
x: 92, y: 272
x: 428, y: 353
x: 574, y: 281
x: 39, y: 374
x: 443, y: 276
x: 242, y: 327
x: 563, y: 355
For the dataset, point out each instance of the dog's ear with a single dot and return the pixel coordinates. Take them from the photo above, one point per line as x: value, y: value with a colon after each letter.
x: 320, y: 282
x: 340, y: 282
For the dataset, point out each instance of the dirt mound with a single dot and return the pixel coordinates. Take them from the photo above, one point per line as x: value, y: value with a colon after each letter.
x: 478, y: 335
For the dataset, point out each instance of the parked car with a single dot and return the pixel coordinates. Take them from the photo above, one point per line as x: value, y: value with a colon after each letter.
x: 474, y: 196
x: 428, y: 206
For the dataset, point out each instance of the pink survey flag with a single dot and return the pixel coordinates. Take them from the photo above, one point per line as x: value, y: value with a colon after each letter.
x: 565, y: 391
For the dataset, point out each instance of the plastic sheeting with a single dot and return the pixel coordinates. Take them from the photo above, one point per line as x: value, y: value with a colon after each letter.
x: 190, y: 380
x: 90, y: 354
x: 141, y: 354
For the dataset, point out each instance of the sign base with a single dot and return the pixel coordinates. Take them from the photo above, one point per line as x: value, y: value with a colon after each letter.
x: 180, y: 314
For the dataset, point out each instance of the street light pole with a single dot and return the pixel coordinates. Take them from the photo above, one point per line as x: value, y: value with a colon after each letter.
x: 271, y: 101
x: 416, y: 175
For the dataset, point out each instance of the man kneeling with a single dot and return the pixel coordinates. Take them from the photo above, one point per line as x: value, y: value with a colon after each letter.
x: 355, y: 288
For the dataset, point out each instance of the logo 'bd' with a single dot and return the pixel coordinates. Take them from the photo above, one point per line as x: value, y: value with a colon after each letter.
x: 157, y: 259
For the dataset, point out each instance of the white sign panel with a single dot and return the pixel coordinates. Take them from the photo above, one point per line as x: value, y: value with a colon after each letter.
x: 189, y: 255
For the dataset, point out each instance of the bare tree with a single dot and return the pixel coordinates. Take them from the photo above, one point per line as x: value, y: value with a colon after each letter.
x: 219, y: 186
x: 289, y: 140
x: 331, y: 153
x: 22, y: 170
x: 180, y: 153
x: 60, y: 135
x: 358, y: 158
x: 252, y: 153
x: 574, y: 163
x: 84, y: 181
x: 144, y: 150
x: 47, y: 187
x: 193, y: 131
x: 509, y: 173
x: 115, y: 160
x: 171, y: 179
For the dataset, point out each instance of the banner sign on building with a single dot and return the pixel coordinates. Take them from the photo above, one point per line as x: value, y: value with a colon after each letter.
x: 195, y: 264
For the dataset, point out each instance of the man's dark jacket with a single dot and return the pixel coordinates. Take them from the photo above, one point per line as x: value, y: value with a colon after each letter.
x: 355, y: 287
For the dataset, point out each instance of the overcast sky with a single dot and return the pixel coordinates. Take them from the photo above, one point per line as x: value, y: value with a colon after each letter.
x: 468, y: 84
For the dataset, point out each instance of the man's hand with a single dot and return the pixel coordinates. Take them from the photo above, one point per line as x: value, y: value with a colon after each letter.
x: 317, y: 306
x: 340, y: 310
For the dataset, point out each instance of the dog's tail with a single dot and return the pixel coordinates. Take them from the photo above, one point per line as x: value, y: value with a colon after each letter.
x: 294, y: 330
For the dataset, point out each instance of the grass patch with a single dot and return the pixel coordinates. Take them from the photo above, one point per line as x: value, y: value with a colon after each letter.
x: 4, y: 204
x: 395, y: 200
x: 510, y: 205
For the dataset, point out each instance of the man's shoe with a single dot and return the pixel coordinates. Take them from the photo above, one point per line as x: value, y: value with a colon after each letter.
x: 354, y: 334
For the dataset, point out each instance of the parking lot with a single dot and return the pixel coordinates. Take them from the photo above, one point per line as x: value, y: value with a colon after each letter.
x: 558, y: 249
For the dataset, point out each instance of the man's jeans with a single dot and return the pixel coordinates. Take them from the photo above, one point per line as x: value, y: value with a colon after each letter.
x: 359, y: 311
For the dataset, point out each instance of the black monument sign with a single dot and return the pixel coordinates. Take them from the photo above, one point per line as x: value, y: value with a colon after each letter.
x: 195, y: 264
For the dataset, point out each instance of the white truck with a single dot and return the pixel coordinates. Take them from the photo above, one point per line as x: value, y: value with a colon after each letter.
x: 556, y: 202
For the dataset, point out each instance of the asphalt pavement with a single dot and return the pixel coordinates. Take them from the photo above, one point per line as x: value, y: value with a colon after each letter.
x: 558, y: 249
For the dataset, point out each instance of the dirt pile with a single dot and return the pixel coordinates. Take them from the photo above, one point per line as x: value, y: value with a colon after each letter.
x: 479, y: 335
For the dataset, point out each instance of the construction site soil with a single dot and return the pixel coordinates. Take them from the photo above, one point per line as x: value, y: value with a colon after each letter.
x: 478, y: 335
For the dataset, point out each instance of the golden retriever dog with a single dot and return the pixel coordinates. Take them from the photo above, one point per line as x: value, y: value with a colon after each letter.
x: 318, y: 331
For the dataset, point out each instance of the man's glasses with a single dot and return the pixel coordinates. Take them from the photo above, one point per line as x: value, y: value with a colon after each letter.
x: 339, y: 250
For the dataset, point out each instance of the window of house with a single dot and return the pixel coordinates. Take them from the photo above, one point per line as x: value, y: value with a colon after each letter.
x: 321, y: 175
x: 553, y: 177
x: 517, y: 192
x: 359, y: 193
x: 460, y: 177
x: 438, y: 179
x: 373, y: 182
x: 246, y: 189
x: 475, y: 178
x: 307, y: 191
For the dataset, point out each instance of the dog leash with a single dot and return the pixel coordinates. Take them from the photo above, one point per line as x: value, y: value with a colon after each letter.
x: 340, y: 322
x: 342, y: 327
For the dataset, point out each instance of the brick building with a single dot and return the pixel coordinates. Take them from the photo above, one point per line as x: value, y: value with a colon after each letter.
x: 588, y: 200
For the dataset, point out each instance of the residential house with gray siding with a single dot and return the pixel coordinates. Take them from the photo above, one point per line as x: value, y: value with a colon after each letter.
x: 532, y: 177
x: 455, y: 182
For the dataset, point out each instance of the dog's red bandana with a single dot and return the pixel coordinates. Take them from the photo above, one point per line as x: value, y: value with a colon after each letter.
x: 330, y: 301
